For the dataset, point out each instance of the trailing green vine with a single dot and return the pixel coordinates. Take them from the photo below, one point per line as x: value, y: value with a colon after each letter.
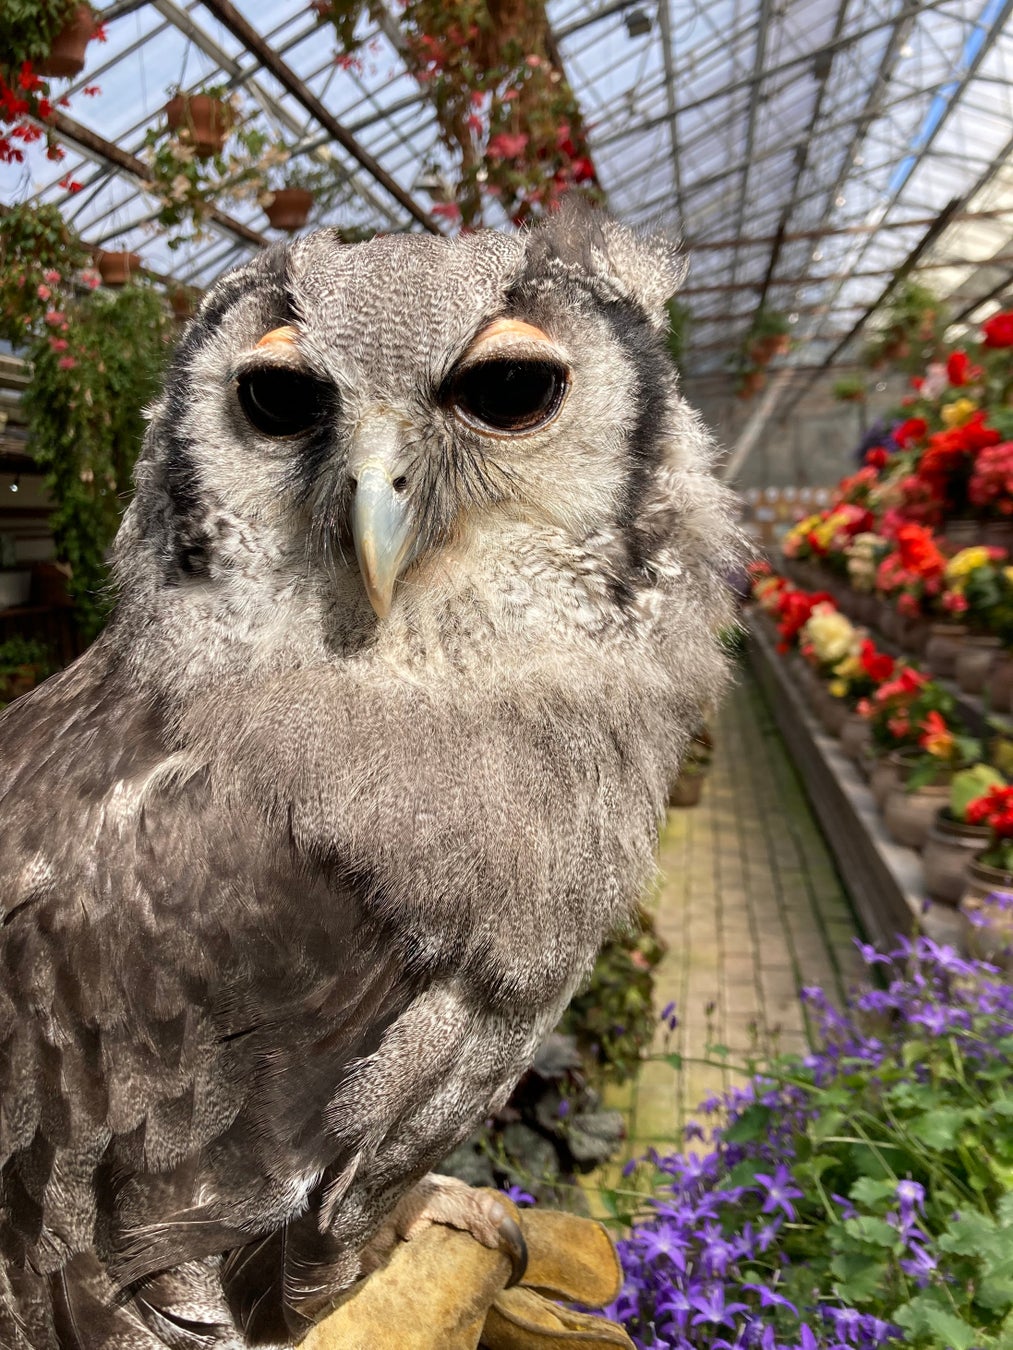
x: 84, y: 407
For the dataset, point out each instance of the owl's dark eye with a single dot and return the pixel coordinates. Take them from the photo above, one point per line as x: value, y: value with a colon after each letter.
x: 281, y: 402
x: 510, y: 396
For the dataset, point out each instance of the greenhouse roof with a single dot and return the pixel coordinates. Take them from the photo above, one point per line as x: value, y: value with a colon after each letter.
x: 804, y: 149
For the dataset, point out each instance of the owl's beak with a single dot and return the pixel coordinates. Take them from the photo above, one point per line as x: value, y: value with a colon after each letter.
x: 382, y: 521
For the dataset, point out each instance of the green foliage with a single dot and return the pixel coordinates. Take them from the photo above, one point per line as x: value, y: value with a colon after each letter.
x: 969, y: 784
x: 679, y: 321
x: 35, y: 243
x: 613, y: 1018
x: 28, y: 27
x: 85, y: 425
x: 849, y: 389
x: 18, y: 651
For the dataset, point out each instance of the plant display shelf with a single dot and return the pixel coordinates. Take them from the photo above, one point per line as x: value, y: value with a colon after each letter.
x: 884, y: 879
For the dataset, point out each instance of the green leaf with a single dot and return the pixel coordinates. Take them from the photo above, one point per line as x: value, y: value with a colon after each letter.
x: 752, y: 1124
x: 969, y: 1234
x: 939, y: 1128
x: 859, y: 1277
x: 866, y: 1228
x: 869, y: 1191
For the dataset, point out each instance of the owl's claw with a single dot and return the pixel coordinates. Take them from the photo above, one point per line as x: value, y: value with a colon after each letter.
x: 512, y: 1244
x: 445, y: 1200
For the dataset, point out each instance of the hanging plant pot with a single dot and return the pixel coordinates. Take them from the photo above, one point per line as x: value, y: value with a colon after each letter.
x: 751, y: 383
x: 200, y: 120
x: 66, y: 56
x: 289, y: 208
x: 116, y: 269
x: 181, y: 301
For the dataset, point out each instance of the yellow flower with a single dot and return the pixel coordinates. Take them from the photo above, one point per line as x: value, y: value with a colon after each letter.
x: 849, y: 667
x: 962, y: 564
x: 957, y: 413
x: 838, y: 688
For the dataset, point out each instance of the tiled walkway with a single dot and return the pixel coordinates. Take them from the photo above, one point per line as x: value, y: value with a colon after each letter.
x: 751, y: 908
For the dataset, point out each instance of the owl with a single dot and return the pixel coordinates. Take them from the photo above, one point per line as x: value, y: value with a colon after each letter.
x: 417, y: 602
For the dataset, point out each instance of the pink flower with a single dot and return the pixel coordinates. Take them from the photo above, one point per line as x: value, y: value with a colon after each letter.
x: 52, y: 277
x: 506, y: 145
x: 91, y: 279
x: 54, y: 318
x: 446, y: 210
x: 43, y: 292
x: 58, y: 344
x: 66, y: 363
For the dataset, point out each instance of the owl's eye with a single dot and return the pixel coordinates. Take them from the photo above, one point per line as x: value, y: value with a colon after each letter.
x: 511, y: 396
x: 280, y: 402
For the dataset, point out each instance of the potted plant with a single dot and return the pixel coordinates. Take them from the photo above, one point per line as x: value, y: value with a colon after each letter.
x: 849, y: 389
x: 201, y: 119
x: 83, y: 406
x: 688, y: 787
x: 39, y: 255
x: 50, y: 35
x: 24, y: 663
x: 750, y: 382
x: 192, y: 170
x: 117, y: 266
x: 768, y: 336
x: 953, y: 840
x: 991, y: 870
x: 979, y: 593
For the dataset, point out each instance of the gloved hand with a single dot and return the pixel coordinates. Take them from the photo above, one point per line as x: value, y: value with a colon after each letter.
x: 444, y: 1291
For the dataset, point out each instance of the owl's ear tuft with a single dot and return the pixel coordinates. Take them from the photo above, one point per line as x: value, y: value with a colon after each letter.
x: 584, y: 243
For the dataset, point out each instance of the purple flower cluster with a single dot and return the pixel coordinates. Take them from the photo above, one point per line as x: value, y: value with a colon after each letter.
x: 748, y: 1244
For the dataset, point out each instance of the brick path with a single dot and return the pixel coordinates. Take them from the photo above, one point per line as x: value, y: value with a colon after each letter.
x: 751, y: 908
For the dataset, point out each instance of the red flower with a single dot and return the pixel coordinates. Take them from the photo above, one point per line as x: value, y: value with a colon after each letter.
x: 506, y: 145
x: 960, y: 371
x: 877, y: 665
x: 918, y: 551
x: 998, y: 330
x: 913, y: 429
x: 936, y: 737
x: 877, y: 457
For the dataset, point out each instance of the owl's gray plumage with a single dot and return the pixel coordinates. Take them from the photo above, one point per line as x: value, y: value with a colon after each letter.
x: 290, y: 892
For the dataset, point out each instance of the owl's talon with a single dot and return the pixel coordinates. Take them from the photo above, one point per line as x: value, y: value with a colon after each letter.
x: 513, y: 1246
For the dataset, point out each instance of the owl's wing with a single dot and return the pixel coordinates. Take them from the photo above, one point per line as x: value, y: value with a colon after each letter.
x: 181, y: 994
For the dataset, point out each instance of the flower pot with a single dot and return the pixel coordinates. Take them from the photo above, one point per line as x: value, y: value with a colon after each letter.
x: 962, y: 531
x: 884, y: 777
x: 200, y: 120
x: 998, y: 534
x: 949, y: 848
x: 908, y: 816
x: 856, y: 736
x: 987, y: 928
x: 975, y: 660
x: 181, y: 301
x: 912, y: 634
x: 832, y: 712
x: 943, y: 647
x: 15, y: 588
x: 999, y: 687
x: 289, y: 208
x: 66, y: 56
x: 751, y: 384
x: 686, y: 790
x: 116, y: 269
x: 888, y: 620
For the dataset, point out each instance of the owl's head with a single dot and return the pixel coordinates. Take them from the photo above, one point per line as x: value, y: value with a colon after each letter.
x: 360, y: 432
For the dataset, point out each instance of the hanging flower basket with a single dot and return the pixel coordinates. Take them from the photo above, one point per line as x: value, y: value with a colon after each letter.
x: 200, y: 120
x: 289, y: 208
x: 66, y: 56
x: 181, y: 302
x: 751, y: 383
x: 117, y: 268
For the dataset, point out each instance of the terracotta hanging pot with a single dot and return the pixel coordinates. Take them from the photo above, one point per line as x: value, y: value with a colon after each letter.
x: 66, y: 56
x: 949, y: 849
x: 200, y: 120
x: 181, y: 301
x: 289, y: 208
x: 116, y: 268
x: 975, y: 660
